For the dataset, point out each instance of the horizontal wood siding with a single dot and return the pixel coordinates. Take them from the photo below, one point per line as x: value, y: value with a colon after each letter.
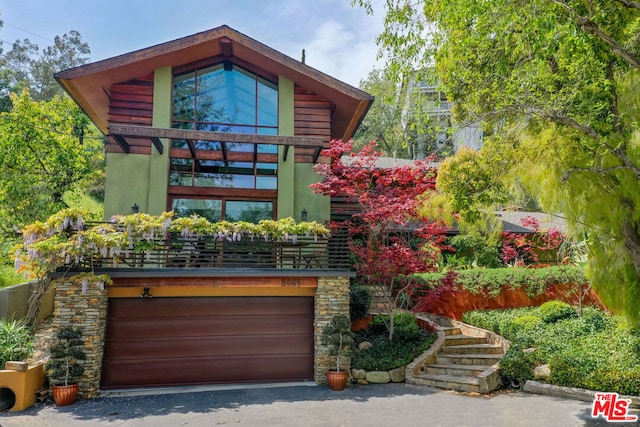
x: 312, y: 118
x: 131, y: 103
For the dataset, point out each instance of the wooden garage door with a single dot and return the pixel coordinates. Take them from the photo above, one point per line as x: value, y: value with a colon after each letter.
x: 207, y: 340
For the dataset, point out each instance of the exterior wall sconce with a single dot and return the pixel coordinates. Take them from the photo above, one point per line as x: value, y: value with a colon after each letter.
x: 146, y: 293
x: 135, y: 208
x: 304, y: 214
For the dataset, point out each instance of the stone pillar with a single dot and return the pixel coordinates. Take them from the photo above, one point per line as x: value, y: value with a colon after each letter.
x: 331, y: 299
x: 87, y: 311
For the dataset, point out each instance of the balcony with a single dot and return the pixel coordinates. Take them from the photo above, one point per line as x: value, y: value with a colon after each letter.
x: 212, y: 255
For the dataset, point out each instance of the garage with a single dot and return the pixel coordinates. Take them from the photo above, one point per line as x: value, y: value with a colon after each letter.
x: 175, y: 341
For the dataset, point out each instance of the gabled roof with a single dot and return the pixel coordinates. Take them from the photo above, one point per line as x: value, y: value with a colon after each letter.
x: 88, y: 84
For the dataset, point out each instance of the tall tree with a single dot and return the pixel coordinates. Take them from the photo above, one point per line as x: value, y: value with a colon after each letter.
x: 28, y: 67
x: 557, y: 81
x: 408, y: 118
x: 46, y: 149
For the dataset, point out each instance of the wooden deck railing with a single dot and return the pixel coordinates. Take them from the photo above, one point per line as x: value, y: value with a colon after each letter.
x: 212, y: 252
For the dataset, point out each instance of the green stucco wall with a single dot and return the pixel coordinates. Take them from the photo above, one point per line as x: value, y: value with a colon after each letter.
x: 294, y: 193
x: 286, y: 169
x: 318, y: 207
x: 127, y: 183
x: 159, y: 168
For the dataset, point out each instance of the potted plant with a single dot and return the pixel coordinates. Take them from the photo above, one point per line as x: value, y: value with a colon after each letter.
x: 66, y: 365
x: 338, y: 337
x: 359, y: 306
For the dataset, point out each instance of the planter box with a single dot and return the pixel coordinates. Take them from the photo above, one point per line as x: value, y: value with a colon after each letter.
x: 23, y: 383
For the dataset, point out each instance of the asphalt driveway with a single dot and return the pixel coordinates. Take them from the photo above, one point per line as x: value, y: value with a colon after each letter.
x: 372, y: 405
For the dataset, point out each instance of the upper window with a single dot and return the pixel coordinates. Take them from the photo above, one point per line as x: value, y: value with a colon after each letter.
x: 225, y: 98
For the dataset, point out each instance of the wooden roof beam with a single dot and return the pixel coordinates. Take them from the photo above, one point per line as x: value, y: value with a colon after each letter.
x: 149, y: 132
x: 225, y: 47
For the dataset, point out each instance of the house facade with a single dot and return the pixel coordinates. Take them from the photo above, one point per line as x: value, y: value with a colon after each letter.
x: 215, y: 124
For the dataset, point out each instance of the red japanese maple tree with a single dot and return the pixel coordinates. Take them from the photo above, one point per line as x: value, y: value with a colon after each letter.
x: 387, y: 236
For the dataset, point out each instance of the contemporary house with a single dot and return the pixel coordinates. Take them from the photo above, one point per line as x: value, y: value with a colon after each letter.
x: 215, y: 124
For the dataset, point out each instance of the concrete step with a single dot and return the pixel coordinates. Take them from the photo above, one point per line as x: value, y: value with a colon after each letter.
x: 463, y: 340
x: 468, y: 359
x: 455, y: 370
x: 449, y: 382
x: 450, y: 330
x: 473, y: 349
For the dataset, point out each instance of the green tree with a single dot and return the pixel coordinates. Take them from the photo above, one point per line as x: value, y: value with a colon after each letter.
x: 47, y: 148
x: 406, y: 121
x: 557, y: 83
x: 25, y: 66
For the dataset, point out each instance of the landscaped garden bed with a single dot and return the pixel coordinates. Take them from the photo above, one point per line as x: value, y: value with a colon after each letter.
x: 593, y: 349
x: 377, y: 359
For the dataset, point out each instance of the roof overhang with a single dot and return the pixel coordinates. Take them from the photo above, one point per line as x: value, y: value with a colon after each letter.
x: 89, y: 84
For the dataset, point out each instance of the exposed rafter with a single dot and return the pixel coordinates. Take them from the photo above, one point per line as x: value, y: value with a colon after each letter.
x: 122, y: 142
x: 158, y: 144
x: 192, y: 148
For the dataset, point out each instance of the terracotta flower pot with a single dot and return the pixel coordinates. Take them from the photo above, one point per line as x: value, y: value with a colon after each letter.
x: 337, y: 379
x: 65, y: 395
x: 361, y: 324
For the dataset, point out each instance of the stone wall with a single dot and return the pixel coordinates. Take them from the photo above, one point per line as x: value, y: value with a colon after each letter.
x: 87, y: 311
x: 331, y: 299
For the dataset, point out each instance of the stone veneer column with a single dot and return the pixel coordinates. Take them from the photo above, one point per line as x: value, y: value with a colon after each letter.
x: 87, y: 311
x: 331, y: 299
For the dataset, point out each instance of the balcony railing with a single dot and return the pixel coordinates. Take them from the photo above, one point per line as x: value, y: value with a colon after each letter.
x: 212, y: 252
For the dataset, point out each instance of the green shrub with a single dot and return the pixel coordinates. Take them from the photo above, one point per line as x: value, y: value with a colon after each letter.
x: 359, y: 302
x: 516, y: 367
x: 573, y: 368
x: 386, y: 355
x: 9, y: 277
x: 498, y: 321
x: 624, y: 382
x: 492, y: 280
x: 600, y: 320
x: 16, y: 341
x: 405, y: 327
x: 553, y: 311
x: 523, y: 325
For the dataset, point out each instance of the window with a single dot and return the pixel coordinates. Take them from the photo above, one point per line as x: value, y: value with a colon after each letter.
x: 229, y: 210
x: 225, y: 98
x: 222, y: 180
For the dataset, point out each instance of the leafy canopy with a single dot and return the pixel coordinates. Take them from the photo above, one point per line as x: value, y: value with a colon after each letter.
x: 41, y: 158
x: 555, y: 83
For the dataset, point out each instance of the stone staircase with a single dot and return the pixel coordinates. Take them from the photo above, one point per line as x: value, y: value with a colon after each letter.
x: 464, y: 358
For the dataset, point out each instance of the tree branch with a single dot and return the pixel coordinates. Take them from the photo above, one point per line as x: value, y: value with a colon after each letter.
x: 569, y: 122
x: 599, y: 171
x: 593, y: 28
x: 629, y: 3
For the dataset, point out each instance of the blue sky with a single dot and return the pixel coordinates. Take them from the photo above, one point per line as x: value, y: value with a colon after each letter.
x: 339, y: 39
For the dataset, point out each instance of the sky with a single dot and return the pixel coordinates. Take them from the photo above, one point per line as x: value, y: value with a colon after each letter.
x: 338, y: 39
